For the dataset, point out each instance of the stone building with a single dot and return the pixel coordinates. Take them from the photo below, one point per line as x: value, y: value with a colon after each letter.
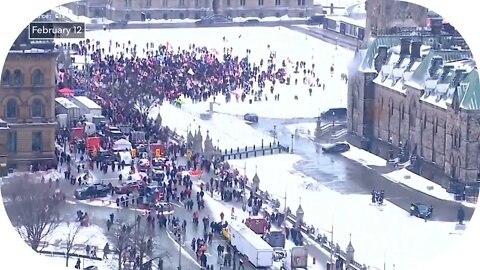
x: 418, y: 93
x: 118, y: 10
x: 27, y: 97
x: 384, y: 16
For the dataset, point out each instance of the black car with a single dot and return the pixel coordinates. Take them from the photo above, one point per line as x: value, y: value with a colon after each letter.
x: 316, y: 19
x: 339, y: 147
x: 420, y: 210
x: 251, y: 117
x: 92, y: 191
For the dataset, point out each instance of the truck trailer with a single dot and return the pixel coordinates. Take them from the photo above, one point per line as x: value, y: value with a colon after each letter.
x: 251, y: 245
x: 297, y: 258
x: 87, y: 106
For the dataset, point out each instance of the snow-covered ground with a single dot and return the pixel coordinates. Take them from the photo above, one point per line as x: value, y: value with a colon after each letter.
x: 378, y: 234
x: 92, y: 235
x: 305, y: 130
x: 267, y: 40
x: 364, y: 157
x: 58, y: 262
x: 67, y: 13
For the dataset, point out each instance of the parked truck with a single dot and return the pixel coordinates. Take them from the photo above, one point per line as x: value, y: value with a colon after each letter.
x: 87, y: 106
x: 65, y: 106
x: 297, y: 258
x: 251, y: 245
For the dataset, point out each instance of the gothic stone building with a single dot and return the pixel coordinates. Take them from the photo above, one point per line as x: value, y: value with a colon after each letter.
x: 118, y: 10
x: 409, y: 91
x: 27, y: 97
x: 384, y: 16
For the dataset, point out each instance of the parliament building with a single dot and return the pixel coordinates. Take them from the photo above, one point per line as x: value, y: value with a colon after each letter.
x: 415, y: 92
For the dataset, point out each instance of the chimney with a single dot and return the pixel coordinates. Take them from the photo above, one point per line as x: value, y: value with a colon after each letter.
x: 436, y: 26
x: 415, y: 49
x: 405, y: 46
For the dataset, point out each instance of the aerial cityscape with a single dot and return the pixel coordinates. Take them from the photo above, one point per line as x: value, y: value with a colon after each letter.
x: 250, y: 134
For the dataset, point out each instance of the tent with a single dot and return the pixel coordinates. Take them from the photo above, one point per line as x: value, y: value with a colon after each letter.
x: 66, y: 91
x: 122, y: 144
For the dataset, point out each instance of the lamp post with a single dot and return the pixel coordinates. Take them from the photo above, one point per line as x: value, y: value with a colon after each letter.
x: 291, y: 146
x: 244, y: 206
x: 179, y: 251
x: 274, y: 134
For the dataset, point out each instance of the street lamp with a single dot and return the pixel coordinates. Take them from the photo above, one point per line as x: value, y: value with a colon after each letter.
x: 291, y: 147
x: 274, y: 134
x: 244, y: 206
x: 179, y: 251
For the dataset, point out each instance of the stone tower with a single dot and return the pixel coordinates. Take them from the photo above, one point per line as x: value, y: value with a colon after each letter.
x: 383, y: 15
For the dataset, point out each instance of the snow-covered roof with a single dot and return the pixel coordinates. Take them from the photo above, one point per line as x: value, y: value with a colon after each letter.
x: 87, y: 102
x: 65, y: 103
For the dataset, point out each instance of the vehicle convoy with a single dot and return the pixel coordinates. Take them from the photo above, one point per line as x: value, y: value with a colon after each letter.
x: 251, y: 245
x: 297, y: 258
x: 91, y: 191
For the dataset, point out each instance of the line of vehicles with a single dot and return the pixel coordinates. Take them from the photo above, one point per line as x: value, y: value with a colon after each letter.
x: 264, y: 248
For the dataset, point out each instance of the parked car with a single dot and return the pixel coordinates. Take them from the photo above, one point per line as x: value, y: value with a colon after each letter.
x: 143, y: 165
x: 251, y: 22
x: 128, y: 187
x: 420, y: 210
x: 251, y: 117
x: 316, y: 19
x: 92, y: 191
x: 339, y: 147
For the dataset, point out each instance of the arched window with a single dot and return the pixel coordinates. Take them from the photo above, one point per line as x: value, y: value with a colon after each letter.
x: 412, y: 114
x: 11, y: 109
x: 6, y: 77
x: 37, y: 77
x: 37, y: 108
x: 17, y: 78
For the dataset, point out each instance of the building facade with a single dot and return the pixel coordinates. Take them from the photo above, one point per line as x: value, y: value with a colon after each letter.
x: 383, y: 16
x: 118, y: 10
x: 420, y: 95
x: 27, y: 98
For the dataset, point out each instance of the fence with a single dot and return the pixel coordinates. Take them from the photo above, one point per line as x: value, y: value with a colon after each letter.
x: 254, y: 151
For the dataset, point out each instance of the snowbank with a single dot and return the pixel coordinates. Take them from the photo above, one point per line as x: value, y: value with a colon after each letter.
x: 377, y: 233
x: 415, y: 181
x: 92, y: 235
x: 226, y: 131
x: 305, y: 130
x: 67, y: 13
x: 364, y: 157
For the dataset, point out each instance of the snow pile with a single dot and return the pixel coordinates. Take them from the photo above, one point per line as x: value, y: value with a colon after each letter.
x: 67, y: 13
x: 226, y: 131
x: 92, y: 235
x: 415, y: 181
x: 377, y: 233
x: 364, y: 157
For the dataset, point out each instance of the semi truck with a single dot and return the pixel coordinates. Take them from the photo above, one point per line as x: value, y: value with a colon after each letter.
x: 87, y: 106
x: 251, y: 245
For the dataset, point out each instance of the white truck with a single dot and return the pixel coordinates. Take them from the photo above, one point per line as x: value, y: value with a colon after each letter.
x: 296, y: 258
x: 251, y: 245
x: 87, y: 106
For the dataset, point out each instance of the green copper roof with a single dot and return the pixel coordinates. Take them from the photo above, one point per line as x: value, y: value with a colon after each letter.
x: 471, y: 98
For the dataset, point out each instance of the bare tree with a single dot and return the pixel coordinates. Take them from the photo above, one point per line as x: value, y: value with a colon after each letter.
x: 122, y: 240
x: 32, y: 208
x: 143, y: 241
x: 73, y: 230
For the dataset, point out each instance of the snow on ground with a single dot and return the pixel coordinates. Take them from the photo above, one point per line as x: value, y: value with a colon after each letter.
x: 305, y: 48
x: 376, y: 233
x: 226, y: 131
x: 58, y: 262
x: 364, y: 157
x: 92, y: 235
x: 67, y: 13
x: 305, y: 130
x: 415, y: 181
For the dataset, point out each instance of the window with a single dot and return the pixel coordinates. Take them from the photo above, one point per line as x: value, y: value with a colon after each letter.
x: 403, y: 112
x: 164, y: 3
x: 37, y: 108
x: 6, y: 77
x: 12, y: 142
x: 17, y: 78
x: 242, y: 3
x: 278, y: 2
x: 182, y: 16
x: 197, y: 4
x: 182, y: 3
x: 424, y: 121
x: 37, y: 141
x: 229, y: 3
x: 126, y: 3
x: 165, y: 16
x: 436, y: 125
x: 149, y: 3
x: 391, y: 108
x: 260, y: 2
x: 301, y: 2
x: 11, y: 109
x: 37, y: 77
